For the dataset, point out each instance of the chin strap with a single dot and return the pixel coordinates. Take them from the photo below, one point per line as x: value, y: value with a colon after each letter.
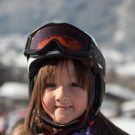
x: 74, y: 125
x: 56, y: 125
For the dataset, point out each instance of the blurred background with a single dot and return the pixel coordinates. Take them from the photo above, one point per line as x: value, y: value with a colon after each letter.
x: 111, y: 22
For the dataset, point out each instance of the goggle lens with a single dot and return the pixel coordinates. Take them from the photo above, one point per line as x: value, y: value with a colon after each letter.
x: 68, y: 37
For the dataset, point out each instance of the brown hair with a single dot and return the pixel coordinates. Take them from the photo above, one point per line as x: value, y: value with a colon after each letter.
x: 103, y: 126
x: 18, y: 130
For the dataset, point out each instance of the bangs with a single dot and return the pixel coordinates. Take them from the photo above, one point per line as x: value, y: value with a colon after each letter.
x: 83, y: 71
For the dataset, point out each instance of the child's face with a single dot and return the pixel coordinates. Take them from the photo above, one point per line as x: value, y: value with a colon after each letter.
x: 63, y: 99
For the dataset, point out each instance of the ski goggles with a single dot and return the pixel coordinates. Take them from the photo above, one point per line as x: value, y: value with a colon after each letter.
x: 63, y: 37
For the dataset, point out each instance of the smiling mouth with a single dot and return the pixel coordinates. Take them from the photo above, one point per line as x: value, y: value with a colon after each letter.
x: 63, y: 108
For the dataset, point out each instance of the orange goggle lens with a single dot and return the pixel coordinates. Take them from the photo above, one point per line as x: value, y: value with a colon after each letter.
x: 67, y: 42
x: 69, y: 38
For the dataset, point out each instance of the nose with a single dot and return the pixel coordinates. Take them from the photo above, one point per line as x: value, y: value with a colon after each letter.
x: 61, y: 95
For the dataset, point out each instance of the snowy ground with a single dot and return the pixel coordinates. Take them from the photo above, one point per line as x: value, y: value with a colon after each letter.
x: 127, y: 124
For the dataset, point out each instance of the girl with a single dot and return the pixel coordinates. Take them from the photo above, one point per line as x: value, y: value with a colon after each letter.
x: 66, y: 83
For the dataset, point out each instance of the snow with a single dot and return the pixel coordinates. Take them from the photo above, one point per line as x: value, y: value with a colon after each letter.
x: 11, y: 50
x: 15, y: 90
x: 128, y: 106
x: 126, y: 124
x: 112, y: 56
x: 123, y: 64
x: 126, y: 69
x: 118, y: 90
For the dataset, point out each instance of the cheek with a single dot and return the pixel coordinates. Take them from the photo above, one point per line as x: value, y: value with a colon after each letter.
x: 47, y: 101
x: 84, y: 103
x: 81, y: 101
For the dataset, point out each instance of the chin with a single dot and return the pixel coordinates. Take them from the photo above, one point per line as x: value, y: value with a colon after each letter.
x: 63, y: 121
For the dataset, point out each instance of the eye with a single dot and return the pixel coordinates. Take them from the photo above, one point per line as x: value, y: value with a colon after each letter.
x: 74, y: 84
x: 51, y: 85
